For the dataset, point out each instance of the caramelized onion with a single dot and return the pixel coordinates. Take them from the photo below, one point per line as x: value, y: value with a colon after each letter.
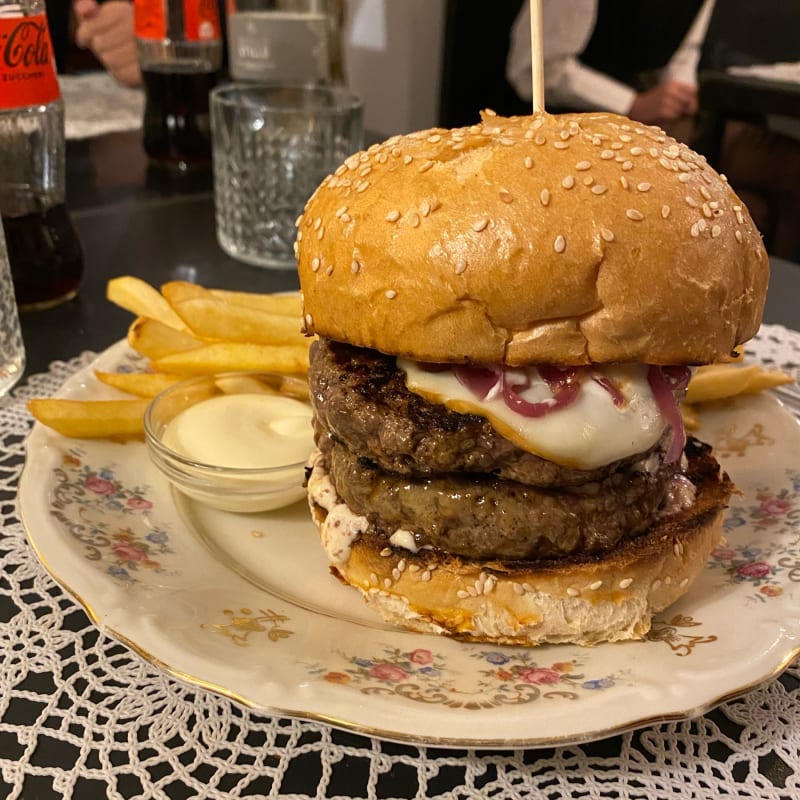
x: 664, y: 381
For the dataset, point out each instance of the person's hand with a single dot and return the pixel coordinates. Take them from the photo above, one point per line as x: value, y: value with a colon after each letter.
x: 107, y: 30
x: 667, y: 101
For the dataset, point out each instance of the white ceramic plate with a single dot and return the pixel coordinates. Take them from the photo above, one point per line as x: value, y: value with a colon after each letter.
x: 244, y: 604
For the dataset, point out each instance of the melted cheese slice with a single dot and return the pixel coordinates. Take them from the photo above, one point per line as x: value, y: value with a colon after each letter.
x: 589, y: 433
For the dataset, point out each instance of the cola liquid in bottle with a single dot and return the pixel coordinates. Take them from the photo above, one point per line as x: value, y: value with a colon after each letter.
x: 44, y: 250
x: 180, y: 54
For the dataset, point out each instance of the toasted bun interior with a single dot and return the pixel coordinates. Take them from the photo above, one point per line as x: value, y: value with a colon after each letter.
x: 583, y: 601
x: 573, y: 239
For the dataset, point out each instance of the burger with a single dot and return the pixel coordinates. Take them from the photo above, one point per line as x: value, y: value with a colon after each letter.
x: 506, y: 318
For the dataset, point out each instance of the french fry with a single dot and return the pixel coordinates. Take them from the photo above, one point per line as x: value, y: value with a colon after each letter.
x: 216, y: 319
x: 140, y: 298
x: 154, y: 339
x: 721, y: 381
x: 178, y: 291
x: 236, y: 357
x: 287, y: 385
x: 142, y: 384
x: 91, y: 419
x: 287, y: 305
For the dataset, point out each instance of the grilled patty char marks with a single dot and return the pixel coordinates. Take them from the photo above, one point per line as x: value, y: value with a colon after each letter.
x: 454, y: 482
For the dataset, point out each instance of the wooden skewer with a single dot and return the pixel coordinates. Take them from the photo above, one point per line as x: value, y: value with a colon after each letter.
x: 537, y: 56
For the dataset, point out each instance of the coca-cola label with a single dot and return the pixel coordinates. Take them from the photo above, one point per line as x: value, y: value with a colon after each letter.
x: 200, y: 20
x: 27, y: 69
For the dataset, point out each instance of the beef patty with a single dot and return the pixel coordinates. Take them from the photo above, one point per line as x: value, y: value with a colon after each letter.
x: 360, y: 398
x: 454, y: 482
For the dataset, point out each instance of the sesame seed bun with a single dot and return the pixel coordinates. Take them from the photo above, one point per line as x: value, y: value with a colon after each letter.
x: 569, y: 239
x: 580, y: 600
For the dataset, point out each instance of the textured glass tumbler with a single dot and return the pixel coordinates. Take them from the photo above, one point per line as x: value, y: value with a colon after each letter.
x: 12, y: 350
x: 272, y: 146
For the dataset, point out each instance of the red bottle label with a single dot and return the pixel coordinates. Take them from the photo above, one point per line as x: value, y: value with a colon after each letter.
x: 200, y: 20
x: 27, y: 70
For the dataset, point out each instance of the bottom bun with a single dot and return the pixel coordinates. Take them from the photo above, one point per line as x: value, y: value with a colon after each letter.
x: 580, y: 600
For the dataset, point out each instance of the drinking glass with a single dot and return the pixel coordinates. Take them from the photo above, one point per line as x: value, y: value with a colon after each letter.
x: 12, y: 350
x: 272, y: 146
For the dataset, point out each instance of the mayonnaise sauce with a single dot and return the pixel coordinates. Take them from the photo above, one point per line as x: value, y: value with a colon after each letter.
x: 243, y: 431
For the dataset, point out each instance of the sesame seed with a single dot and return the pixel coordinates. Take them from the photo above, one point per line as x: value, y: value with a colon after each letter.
x: 665, y: 212
x: 366, y: 171
x: 560, y: 244
x: 561, y: 145
x: 480, y: 225
x: 309, y: 320
x: 373, y: 577
x: 637, y: 151
x: 363, y: 187
x: 528, y: 162
x: 461, y: 265
x: 425, y: 208
x: 677, y: 549
x: 426, y: 576
x: 340, y: 211
x: 596, y: 585
x: 653, y: 152
x: 707, y: 212
x: 383, y: 158
x: 656, y: 585
x: 684, y: 177
x: 665, y: 162
x: 329, y: 270
x: 738, y: 235
x: 540, y: 139
x: 568, y: 182
x: 582, y: 166
x: 517, y: 587
x: 684, y: 583
x: 529, y: 135
x: 572, y: 591
x: 435, y: 203
x: 396, y: 151
x: 691, y: 202
x: 667, y: 580
x: 317, y: 223
x: 298, y: 221
x: 314, y: 264
x: 434, y: 138
x: 345, y: 218
x: 599, y: 189
x: 341, y: 169
x: 624, y: 137
x: 627, y: 165
x: 396, y: 574
x: 607, y: 235
x: 564, y: 134
x: 607, y: 154
x: 507, y: 142
x: 506, y: 197
x: 355, y: 267
x: 695, y: 230
x: 414, y: 220
x: 461, y: 594
x: 393, y: 215
x: 426, y: 166
x: 321, y: 233
x: 644, y: 187
x: 387, y: 582
x: 391, y: 294
x: 623, y: 182
x: 544, y: 197
x: 588, y: 180
x: 715, y: 231
x: 625, y: 583
x: 407, y: 159
x: 740, y: 217
x: 635, y: 215
x: 489, y: 112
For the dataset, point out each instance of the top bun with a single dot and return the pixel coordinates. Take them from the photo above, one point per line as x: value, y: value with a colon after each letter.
x: 571, y: 238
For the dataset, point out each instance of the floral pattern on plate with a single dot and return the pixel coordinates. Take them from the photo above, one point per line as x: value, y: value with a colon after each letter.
x: 765, y: 563
x: 96, y: 509
x: 503, y: 678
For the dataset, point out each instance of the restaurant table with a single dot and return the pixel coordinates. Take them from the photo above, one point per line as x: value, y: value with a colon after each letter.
x: 83, y: 716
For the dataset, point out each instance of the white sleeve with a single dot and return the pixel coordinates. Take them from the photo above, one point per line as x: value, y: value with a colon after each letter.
x: 567, y: 28
x: 683, y: 64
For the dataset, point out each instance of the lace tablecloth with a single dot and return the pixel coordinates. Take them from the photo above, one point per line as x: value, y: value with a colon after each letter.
x: 125, y: 727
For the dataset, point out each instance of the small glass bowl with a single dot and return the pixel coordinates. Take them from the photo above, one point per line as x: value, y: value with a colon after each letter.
x: 227, y: 488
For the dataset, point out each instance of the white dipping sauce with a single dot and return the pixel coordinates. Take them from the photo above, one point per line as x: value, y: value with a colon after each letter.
x: 243, y: 431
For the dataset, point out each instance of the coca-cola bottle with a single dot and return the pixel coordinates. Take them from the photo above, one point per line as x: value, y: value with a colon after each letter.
x: 43, y: 247
x: 180, y: 54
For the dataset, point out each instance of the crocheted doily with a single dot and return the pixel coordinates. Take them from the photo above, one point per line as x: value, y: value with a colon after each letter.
x: 82, y: 716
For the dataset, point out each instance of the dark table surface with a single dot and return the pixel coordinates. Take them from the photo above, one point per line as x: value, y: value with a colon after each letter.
x: 134, y: 221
